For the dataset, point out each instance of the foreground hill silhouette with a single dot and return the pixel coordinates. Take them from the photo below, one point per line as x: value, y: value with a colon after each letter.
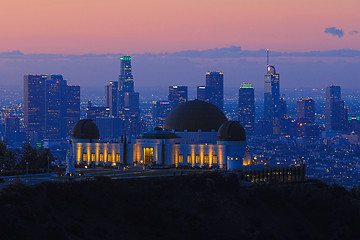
x: 205, y: 206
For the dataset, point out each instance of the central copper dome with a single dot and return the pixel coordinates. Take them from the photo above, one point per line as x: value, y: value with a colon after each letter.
x: 194, y: 115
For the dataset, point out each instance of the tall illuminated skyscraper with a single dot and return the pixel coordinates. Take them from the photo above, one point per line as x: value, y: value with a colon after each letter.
x: 246, y: 107
x: 202, y: 94
x: 272, y: 98
x: 335, y: 112
x: 159, y: 112
x: 126, y: 80
x: 215, y: 88
x: 128, y: 99
x: 34, y: 105
x: 305, y: 111
x: 49, y: 106
x: 111, y: 97
x: 177, y: 95
x: 72, y: 107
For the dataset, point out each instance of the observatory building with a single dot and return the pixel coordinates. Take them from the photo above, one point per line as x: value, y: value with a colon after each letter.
x: 194, y: 134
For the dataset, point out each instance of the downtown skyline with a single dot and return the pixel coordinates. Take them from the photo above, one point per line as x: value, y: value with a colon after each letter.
x: 312, y: 43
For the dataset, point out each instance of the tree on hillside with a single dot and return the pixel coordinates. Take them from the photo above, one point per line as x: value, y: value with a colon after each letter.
x: 35, y: 158
x: 7, y: 158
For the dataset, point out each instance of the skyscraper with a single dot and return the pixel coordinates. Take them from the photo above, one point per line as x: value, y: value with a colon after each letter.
x: 160, y: 110
x: 335, y: 112
x: 47, y: 102
x: 34, y: 105
x: 215, y: 88
x: 272, y: 98
x: 111, y: 97
x: 128, y: 100
x: 55, y: 107
x: 177, y: 95
x: 246, y: 107
x: 72, y: 107
x: 126, y: 80
x: 201, y: 93
x: 305, y: 111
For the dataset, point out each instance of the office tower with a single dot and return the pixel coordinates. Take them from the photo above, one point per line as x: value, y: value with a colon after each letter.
x: 272, y: 98
x: 111, y: 97
x: 354, y: 124
x: 177, y: 95
x: 12, y: 130
x: 12, y: 124
x: 335, y: 112
x: 72, y: 107
x: 284, y: 120
x: 92, y: 112
x: 46, y: 105
x: 246, y: 107
x: 34, y: 105
x: 110, y: 128
x: 202, y: 94
x: 126, y: 80
x: 160, y: 110
x: 55, y: 105
x: 215, y: 88
x: 131, y: 103
x: 128, y: 100
x: 305, y: 111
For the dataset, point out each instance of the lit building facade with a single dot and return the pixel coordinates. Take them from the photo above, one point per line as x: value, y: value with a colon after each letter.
x: 272, y: 98
x: 201, y: 93
x: 111, y: 97
x: 128, y: 100
x: 50, y: 106
x: 246, y: 107
x: 305, y: 110
x: 177, y: 95
x: 202, y: 137
x: 335, y: 111
x: 159, y: 112
x: 215, y: 88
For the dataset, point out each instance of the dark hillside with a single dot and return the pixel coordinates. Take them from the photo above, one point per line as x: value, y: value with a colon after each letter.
x: 206, y: 206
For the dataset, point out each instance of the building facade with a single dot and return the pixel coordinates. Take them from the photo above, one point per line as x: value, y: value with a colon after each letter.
x: 50, y: 106
x: 272, y: 98
x: 202, y: 137
x: 305, y: 111
x: 335, y: 112
x: 177, y: 95
x: 246, y: 107
x: 215, y: 88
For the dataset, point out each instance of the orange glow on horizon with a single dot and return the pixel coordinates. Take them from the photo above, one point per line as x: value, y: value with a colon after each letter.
x: 117, y: 26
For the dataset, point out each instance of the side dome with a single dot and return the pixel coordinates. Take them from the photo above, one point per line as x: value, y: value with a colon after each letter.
x: 85, y: 129
x: 231, y: 131
x: 194, y: 115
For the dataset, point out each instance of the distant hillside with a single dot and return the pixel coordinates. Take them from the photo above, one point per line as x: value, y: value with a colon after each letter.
x: 206, y: 206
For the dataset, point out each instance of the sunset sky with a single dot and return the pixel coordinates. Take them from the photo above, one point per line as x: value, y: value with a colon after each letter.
x: 139, y: 26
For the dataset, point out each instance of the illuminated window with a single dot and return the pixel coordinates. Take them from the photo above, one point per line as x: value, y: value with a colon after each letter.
x: 118, y: 157
x: 109, y: 157
x: 214, y: 159
x: 206, y: 159
x: 197, y: 158
x: 101, y: 157
x: 93, y: 157
x: 85, y: 157
x: 180, y: 158
x: 188, y: 158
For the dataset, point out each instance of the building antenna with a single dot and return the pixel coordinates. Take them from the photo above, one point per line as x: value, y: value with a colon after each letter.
x: 267, y: 57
